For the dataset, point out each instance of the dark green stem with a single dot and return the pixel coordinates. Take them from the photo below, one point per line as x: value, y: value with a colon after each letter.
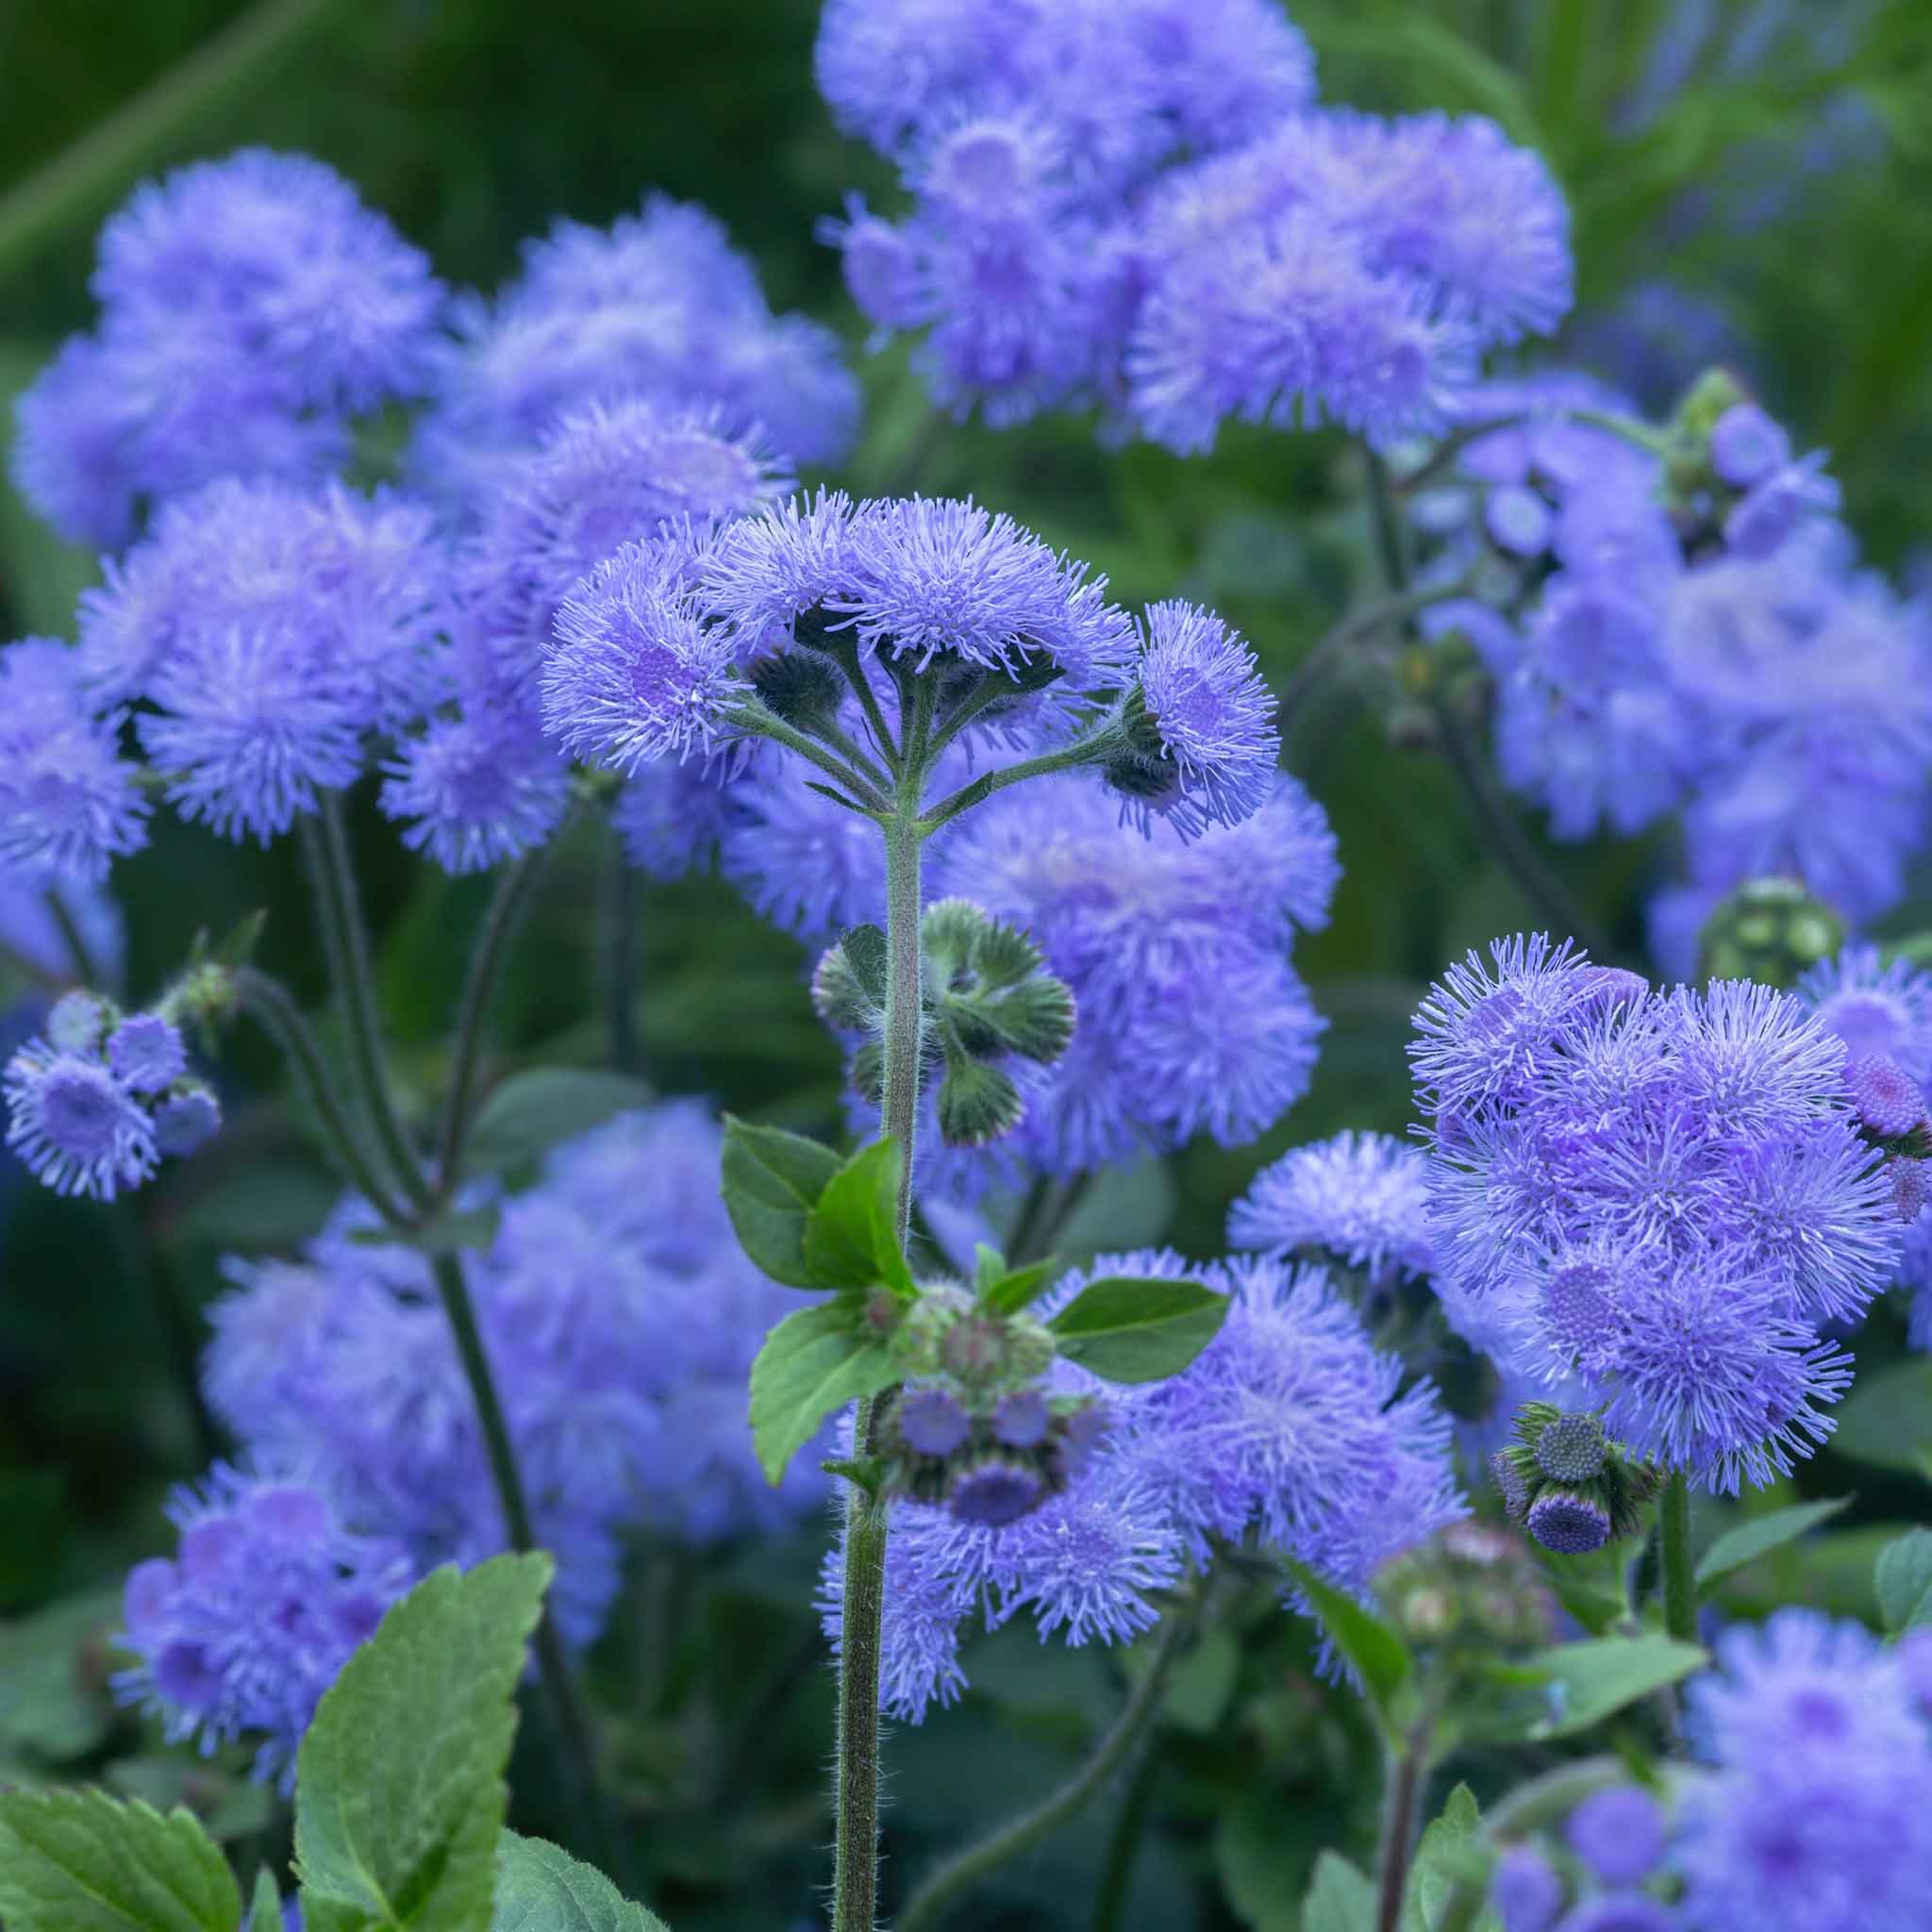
x: 347, y: 946
x: 1124, y: 1843
x: 757, y: 720
x: 928, y: 1904
x: 1408, y: 1767
x: 559, y: 1682
x: 1673, y: 1554
x: 855, y: 1848
x: 507, y: 908
x: 268, y: 1002
x: 1544, y: 1801
x: 89, y: 174
x: 176, y: 1321
x: 1392, y: 541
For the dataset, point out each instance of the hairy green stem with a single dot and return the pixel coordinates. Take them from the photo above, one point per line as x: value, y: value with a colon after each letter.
x: 89, y: 174
x: 757, y: 720
x: 1104, y: 743
x: 1674, y: 1556
x: 347, y: 945
x: 268, y: 1002
x: 927, y: 1906
x: 855, y: 1848
x: 507, y: 908
x: 1408, y: 1767
x: 1542, y: 1800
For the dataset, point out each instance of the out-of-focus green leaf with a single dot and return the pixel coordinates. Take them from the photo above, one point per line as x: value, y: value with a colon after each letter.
x: 1904, y: 1581
x: 1761, y: 1534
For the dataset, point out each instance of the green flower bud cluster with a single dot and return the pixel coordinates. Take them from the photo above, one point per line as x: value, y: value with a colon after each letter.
x: 986, y: 998
x: 1568, y: 1483
x: 1467, y: 1588
x: 1693, y: 491
x: 1770, y: 931
x: 974, y: 1427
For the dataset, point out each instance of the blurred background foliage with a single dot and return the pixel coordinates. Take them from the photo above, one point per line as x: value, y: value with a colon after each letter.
x: 1751, y: 182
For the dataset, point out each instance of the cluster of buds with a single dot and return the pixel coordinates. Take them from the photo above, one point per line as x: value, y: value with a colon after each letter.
x: 1890, y: 1109
x: 1568, y: 1484
x: 1467, y: 1588
x: 987, y: 999
x: 1770, y: 931
x: 1730, y: 475
x: 974, y: 1427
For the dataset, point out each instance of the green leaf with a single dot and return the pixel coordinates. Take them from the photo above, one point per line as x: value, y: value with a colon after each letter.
x: 773, y: 1180
x: 1887, y: 1419
x: 1342, y: 1898
x: 1130, y: 1329
x: 1374, y: 1648
x: 851, y: 1235
x: 1903, y: 1579
x: 399, y: 1784
x: 1009, y: 1293
x: 540, y: 1889
x: 265, y: 1908
x: 1443, y: 1857
x: 532, y: 1111
x: 813, y: 1362
x: 1591, y: 1681
x: 988, y: 1266
x: 1752, y: 1539
x: 77, y: 1860
x: 53, y: 1698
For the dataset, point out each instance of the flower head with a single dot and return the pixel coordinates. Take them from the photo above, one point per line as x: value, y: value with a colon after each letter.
x: 1364, y: 1197
x: 75, y: 1124
x: 145, y: 1053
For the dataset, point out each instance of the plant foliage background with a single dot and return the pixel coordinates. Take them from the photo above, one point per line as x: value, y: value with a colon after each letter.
x: 1750, y: 182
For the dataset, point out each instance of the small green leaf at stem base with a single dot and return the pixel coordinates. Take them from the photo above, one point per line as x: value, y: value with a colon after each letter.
x: 772, y: 1182
x: 851, y: 1239
x: 1374, y: 1649
x: 812, y: 1364
x: 77, y: 1860
x: 1447, y: 1854
x: 1903, y: 1577
x: 1757, y: 1538
x: 1008, y: 1293
x: 531, y: 1112
x: 1341, y: 1897
x: 1129, y: 1329
x: 399, y: 1784
x: 541, y: 1888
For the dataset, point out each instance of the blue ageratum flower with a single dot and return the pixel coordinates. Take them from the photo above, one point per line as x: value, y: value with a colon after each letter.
x: 249, y: 307
x: 69, y: 804
x: 1287, y: 1431
x: 1817, y: 1808
x: 661, y: 308
x: 623, y: 1319
x: 238, y: 1633
x: 1665, y: 1195
x: 1363, y: 1197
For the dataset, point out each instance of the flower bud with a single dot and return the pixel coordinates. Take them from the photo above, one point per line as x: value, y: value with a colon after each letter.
x: 801, y: 688
x: 1572, y: 1449
x: 1569, y: 1522
x: 994, y: 1493
x: 1770, y: 931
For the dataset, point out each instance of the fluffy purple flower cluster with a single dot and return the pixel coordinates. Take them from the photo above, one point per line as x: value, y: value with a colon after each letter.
x: 94, y: 1104
x: 1140, y: 207
x: 1192, y: 1017
x: 249, y: 308
x: 1617, y: 1841
x: 1710, y: 651
x: 1664, y: 1194
x: 621, y: 1318
x: 238, y: 1633
x: 660, y: 652
x: 659, y: 307
x: 1363, y: 1198
x: 1287, y: 1429
x: 1818, y: 1811
x: 1883, y: 1013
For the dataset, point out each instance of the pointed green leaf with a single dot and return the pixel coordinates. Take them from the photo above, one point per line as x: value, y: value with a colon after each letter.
x: 1591, y: 1681
x: 1904, y: 1580
x: 265, y: 1907
x: 1759, y: 1534
x: 1131, y: 1329
x: 532, y: 1111
x: 1447, y: 1854
x: 851, y: 1238
x: 237, y: 946
x: 813, y: 1362
x: 772, y: 1182
x: 988, y: 1265
x: 1342, y: 1898
x: 51, y: 1704
x: 1374, y: 1648
x: 542, y: 1888
x: 1887, y: 1419
x: 1009, y: 1293
x: 399, y: 1784
x: 77, y: 1860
